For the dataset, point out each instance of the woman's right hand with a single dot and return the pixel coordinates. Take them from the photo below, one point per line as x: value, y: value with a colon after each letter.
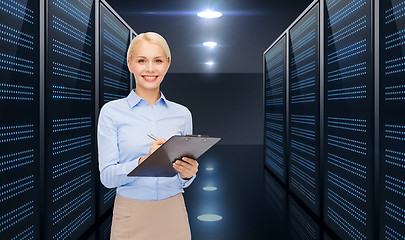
x: 154, y: 147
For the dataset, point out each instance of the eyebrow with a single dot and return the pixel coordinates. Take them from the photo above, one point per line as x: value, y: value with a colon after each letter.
x: 154, y: 57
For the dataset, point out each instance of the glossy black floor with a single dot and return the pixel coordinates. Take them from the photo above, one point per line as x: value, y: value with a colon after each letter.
x: 253, y: 204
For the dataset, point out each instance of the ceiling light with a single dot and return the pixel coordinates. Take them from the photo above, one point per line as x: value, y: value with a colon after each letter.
x: 210, y: 44
x: 210, y: 63
x: 209, y: 14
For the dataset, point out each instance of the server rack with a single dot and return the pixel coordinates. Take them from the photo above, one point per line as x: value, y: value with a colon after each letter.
x: 304, y: 108
x: 48, y: 110
x: 349, y: 118
x: 69, y: 118
x: 19, y: 119
x: 275, y: 108
x: 361, y: 117
x: 114, y: 74
x: 391, y: 73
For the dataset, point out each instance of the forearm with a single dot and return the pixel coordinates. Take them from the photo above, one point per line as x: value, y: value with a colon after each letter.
x: 116, y: 175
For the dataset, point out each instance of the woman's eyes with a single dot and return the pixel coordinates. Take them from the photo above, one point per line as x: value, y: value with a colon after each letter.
x: 142, y: 61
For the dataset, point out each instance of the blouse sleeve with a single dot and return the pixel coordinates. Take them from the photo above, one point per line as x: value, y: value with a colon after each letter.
x: 188, y: 130
x: 112, y: 173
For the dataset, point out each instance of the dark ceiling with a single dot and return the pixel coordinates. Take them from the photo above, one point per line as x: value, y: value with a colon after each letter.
x: 243, y: 33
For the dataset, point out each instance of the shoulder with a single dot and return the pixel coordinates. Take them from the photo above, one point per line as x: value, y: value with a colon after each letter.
x: 183, y: 110
x: 112, y: 107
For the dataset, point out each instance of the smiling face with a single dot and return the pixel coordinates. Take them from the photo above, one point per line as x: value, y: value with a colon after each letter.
x: 149, y: 65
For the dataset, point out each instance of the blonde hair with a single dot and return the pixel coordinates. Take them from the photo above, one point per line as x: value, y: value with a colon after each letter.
x: 150, y: 37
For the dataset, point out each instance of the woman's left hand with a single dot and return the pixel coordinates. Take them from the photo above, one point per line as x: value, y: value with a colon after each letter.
x: 187, y: 167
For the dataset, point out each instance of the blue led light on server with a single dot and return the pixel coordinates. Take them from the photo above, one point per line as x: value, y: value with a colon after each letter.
x: 15, y: 216
x: 70, y: 186
x: 108, y: 196
x: 70, y: 165
x: 15, y: 160
x: 348, y: 51
x: 70, y: 144
x: 345, y: 225
x: 16, y: 64
x: 116, y: 84
x: 347, y: 144
x: 111, y: 96
x: 74, y: 12
x: 119, y: 57
x: 73, y: 225
x: 395, y: 212
x: 114, y: 41
x: 115, y: 70
x: 303, y: 162
x: 16, y: 188
x: 308, y: 149
x: 303, y: 176
x: 71, y: 52
x: 304, y: 133
x: 395, y: 158
x: 395, y: 13
x: 71, y: 31
x: 71, y: 206
x: 63, y: 92
x: 63, y: 70
x: 348, y: 165
x: 305, y: 25
x: 347, y: 186
x: 345, y: 11
x: 26, y: 234
x: 305, y: 226
x: 16, y: 92
x: 14, y: 36
x: 351, y: 71
x: 347, y: 206
x: 18, y: 10
x: 115, y: 27
x: 394, y: 184
x: 16, y: 133
x: 304, y: 191
x: 69, y: 124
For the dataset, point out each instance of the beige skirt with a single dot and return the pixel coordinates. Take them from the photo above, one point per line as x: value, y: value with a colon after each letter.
x: 165, y: 219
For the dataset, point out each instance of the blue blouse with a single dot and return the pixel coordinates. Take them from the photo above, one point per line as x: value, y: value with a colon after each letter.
x: 122, y: 138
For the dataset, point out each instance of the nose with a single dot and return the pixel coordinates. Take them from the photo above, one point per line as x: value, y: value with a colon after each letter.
x: 149, y: 66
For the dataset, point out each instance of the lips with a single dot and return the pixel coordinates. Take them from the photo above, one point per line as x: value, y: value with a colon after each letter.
x: 150, y: 78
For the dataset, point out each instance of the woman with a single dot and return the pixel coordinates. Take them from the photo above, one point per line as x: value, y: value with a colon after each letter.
x: 145, y: 207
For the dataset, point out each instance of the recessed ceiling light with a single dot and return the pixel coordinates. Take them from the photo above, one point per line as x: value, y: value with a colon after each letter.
x: 209, y: 14
x: 210, y: 44
x: 209, y: 217
x: 210, y: 63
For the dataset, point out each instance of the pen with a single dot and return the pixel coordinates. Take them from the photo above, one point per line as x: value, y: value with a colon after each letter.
x: 153, y: 137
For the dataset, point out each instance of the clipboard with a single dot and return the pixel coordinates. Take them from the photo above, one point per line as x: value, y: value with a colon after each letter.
x: 160, y: 162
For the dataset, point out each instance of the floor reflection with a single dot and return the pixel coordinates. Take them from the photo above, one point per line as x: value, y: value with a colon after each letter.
x: 252, y: 204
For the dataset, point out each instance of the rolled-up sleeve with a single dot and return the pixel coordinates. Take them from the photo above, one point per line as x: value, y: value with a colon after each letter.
x: 112, y: 172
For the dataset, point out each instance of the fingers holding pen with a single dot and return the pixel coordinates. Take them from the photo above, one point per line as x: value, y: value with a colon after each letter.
x: 156, y: 144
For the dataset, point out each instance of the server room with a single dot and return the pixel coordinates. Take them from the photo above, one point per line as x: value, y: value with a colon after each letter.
x: 308, y: 98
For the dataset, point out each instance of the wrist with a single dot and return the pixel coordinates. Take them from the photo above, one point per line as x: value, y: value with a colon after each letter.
x: 185, y: 178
